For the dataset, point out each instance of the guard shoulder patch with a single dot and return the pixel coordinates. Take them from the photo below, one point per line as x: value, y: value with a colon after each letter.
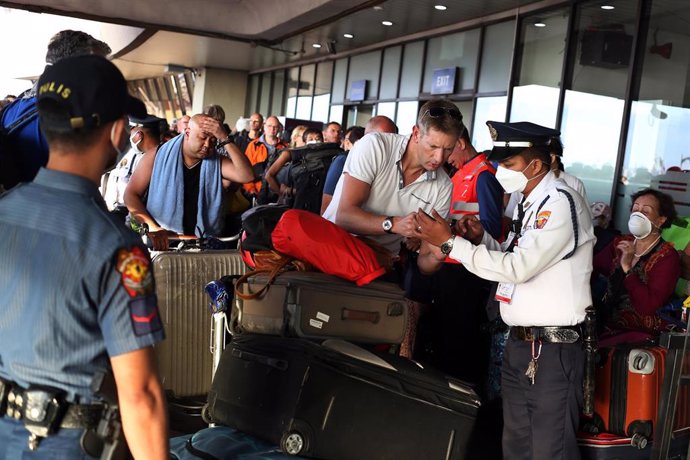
x: 542, y: 219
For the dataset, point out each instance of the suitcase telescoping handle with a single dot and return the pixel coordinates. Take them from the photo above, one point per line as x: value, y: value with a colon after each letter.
x: 359, y: 315
x: 279, y: 364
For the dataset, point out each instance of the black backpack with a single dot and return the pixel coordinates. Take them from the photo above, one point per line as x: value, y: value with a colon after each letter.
x: 307, y: 174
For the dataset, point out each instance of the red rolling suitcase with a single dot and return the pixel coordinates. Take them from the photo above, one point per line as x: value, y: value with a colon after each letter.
x: 629, y: 378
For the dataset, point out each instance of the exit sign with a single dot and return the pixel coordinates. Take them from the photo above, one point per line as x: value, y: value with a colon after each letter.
x: 443, y: 81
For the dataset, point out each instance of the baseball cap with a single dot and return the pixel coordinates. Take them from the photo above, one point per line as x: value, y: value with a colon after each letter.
x: 512, y: 138
x: 92, y: 91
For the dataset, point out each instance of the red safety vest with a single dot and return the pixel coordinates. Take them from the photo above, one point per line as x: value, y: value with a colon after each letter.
x: 464, y: 200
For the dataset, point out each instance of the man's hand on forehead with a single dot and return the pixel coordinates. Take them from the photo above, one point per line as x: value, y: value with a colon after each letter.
x: 211, y: 127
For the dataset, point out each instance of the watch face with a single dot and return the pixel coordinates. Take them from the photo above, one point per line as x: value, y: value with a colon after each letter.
x: 447, y: 247
x: 387, y: 225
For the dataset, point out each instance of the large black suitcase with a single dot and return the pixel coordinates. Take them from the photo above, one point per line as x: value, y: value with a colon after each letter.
x: 338, y: 401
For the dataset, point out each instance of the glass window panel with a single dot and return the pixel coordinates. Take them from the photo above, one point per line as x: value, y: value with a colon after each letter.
x: 390, y: 73
x: 595, y: 103
x: 497, y: 53
x: 387, y: 109
x: 535, y: 98
x: 455, y: 50
x: 264, y: 105
x: 339, y: 81
x: 365, y: 67
x: 253, y: 94
x: 592, y: 162
x: 336, y: 113
x: 411, y: 77
x: 303, y: 108
x: 324, y: 75
x: 487, y: 109
x: 604, y: 48
x: 319, y: 111
x: 278, y: 92
x: 291, y: 106
x: 358, y: 115
x: 306, y: 80
x: 659, y: 119
x: 407, y: 116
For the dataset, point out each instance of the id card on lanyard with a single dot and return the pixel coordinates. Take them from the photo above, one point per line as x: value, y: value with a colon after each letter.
x: 504, y: 292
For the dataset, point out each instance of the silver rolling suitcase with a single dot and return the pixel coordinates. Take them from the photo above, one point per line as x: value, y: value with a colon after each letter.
x: 185, y: 357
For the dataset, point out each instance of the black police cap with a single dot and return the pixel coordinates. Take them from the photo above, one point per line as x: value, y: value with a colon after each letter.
x: 92, y: 91
x: 512, y: 138
x: 148, y: 121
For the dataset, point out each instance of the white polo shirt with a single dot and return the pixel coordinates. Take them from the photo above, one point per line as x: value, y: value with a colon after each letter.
x: 547, y: 290
x: 375, y: 159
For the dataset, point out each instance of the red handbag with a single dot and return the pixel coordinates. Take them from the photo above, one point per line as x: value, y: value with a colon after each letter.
x: 311, y: 238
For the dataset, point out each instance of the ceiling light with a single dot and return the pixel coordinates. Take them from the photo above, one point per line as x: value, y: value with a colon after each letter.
x: 348, y: 36
x: 539, y: 23
x: 316, y: 45
x: 441, y: 7
x: 386, y: 23
x: 607, y: 7
x: 378, y: 8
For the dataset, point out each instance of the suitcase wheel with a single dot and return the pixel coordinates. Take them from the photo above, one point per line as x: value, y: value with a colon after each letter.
x: 638, y: 441
x: 206, y: 414
x: 292, y: 442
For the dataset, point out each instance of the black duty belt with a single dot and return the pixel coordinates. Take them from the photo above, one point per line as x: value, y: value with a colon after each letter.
x: 549, y: 334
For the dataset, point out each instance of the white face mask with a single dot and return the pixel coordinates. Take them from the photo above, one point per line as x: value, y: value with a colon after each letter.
x: 639, y: 225
x: 135, y: 145
x: 513, y: 181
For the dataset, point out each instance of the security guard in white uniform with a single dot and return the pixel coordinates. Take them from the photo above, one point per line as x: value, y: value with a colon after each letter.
x: 543, y: 270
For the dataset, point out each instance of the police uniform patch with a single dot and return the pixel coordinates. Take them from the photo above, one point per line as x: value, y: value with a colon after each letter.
x: 144, y: 314
x: 542, y: 219
x: 133, y: 266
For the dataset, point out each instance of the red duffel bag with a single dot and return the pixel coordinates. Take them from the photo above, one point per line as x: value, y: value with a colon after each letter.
x: 309, y: 237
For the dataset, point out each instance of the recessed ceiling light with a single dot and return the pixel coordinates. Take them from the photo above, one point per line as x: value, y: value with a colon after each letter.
x: 378, y: 8
x: 607, y: 7
x: 348, y: 36
x: 316, y: 45
x: 539, y: 23
x: 386, y: 23
x: 441, y: 7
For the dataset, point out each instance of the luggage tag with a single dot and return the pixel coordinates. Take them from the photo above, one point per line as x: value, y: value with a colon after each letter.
x: 504, y: 292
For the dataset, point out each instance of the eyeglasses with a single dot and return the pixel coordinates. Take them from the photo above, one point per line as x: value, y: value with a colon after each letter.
x: 440, y: 112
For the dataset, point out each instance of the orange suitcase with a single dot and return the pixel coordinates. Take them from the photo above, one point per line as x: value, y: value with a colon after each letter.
x: 628, y: 386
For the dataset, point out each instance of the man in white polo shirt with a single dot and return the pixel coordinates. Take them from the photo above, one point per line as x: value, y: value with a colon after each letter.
x: 388, y: 177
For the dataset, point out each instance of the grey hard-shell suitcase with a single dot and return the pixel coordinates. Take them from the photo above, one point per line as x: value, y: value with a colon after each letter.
x: 319, y: 306
x: 184, y: 358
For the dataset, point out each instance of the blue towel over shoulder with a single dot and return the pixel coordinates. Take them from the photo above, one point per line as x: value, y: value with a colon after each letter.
x: 166, y: 191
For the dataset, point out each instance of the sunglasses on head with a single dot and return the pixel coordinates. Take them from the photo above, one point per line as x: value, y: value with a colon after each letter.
x: 439, y: 112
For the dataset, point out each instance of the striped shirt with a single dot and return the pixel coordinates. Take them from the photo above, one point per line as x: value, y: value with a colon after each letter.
x: 76, y: 287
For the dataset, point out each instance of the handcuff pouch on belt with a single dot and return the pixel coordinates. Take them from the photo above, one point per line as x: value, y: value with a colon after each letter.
x: 41, y: 408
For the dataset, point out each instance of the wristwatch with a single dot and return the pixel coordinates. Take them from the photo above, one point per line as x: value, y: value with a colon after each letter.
x: 387, y: 224
x: 226, y: 141
x: 447, y: 246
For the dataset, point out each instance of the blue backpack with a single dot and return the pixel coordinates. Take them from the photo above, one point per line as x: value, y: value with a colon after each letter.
x: 23, y: 149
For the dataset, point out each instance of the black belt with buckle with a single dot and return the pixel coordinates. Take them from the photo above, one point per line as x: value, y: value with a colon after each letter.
x: 549, y: 334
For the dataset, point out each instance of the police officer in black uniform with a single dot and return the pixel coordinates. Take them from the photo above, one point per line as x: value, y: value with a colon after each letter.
x: 77, y: 295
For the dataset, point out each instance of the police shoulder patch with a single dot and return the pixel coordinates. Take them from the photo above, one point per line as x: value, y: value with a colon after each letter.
x: 133, y: 265
x: 542, y: 219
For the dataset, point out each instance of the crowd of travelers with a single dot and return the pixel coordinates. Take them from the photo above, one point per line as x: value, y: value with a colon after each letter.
x: 490, y: 246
